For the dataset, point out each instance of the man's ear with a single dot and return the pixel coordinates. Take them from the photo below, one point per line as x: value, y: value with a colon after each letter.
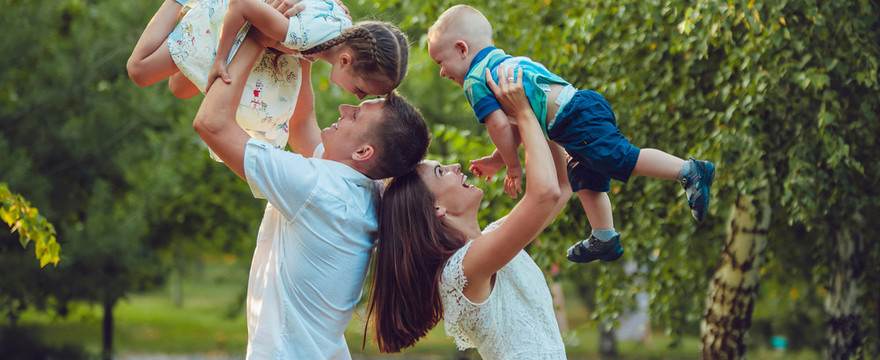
x: 364, y: 153
x: 462, y: 48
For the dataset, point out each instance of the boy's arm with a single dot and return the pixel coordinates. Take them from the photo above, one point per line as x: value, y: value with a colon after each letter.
x: 305, y: 135
x: 501, y: 133
x: 215, y: 121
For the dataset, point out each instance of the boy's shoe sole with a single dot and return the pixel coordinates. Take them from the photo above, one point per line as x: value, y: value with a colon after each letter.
x: 697, y: 186
x: 595, y: 249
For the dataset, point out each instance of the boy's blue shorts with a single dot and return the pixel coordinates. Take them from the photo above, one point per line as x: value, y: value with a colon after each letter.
x: 588, y: 131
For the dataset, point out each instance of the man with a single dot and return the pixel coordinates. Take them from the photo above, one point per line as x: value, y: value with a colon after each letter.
x: 315, y: 239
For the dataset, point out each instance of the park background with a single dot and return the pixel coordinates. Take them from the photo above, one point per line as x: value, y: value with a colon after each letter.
x: 155, y: 238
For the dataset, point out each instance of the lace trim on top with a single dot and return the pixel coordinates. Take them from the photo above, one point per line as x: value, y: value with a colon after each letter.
x: 460, y: 315
x: 455, y: 304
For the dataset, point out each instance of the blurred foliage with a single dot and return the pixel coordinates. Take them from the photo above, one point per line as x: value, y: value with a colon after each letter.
x: 117, y: 168
x: 781, y: 96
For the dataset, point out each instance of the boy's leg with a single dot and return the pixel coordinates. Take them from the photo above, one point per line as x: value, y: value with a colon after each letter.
x: 150, y: 60
x: 695, y: 176
x: 597, y: 206
x: 658, y: 164
x: 603, y: 243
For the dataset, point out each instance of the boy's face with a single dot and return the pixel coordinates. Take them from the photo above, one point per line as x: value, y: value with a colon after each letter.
x: 451, y: 55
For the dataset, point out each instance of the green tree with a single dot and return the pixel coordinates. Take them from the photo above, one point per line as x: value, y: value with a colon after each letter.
x: 784, y: 100
x: 129, y: 185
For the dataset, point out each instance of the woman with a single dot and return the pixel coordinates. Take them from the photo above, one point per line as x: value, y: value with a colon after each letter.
x: 433, y: 261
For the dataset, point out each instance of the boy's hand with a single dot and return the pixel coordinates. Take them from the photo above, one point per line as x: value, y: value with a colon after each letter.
x: 218, y: 70
x: 486, y: 166
x: 512, y: 182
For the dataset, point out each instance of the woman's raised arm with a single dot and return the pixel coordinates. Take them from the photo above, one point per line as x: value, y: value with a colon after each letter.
x: 495, y: 249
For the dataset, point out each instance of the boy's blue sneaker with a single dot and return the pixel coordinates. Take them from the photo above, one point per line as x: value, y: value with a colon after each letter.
x: 696, y: 185
x: 591, y: 249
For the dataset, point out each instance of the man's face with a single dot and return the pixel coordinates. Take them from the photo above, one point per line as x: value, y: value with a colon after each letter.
x: 349, y: 133
x: 449, y: 55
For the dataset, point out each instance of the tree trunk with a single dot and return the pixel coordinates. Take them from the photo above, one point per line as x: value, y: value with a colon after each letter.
x: 735, y: 285
x: 607, y: 341
x: 177, y: 271
x: 843, y: 335
x: 107, y: 330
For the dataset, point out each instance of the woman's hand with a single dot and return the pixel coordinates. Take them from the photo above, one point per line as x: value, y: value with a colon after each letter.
x: 510, y: 93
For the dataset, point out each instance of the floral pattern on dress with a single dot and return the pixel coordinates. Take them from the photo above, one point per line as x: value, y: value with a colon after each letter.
x: 269, y: 98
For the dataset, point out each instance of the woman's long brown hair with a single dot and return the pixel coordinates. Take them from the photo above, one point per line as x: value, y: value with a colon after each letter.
x: 413, y: 246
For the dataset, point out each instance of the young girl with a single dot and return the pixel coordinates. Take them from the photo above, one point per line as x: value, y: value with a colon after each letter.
x: 369, y: 58
x: 432, y: 259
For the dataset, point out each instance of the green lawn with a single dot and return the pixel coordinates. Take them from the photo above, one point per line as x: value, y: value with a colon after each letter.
x: 149, y: 323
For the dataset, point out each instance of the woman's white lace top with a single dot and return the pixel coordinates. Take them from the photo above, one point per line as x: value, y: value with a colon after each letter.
x: 516, y: 321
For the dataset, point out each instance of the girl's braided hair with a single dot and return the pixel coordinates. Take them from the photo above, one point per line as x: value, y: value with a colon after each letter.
x: 379, y: 48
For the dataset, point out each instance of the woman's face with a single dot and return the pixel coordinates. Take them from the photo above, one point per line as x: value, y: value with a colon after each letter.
x: 447, y: 183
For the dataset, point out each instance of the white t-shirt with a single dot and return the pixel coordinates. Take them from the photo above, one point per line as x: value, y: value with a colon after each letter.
x: 312, y: 253
x: 516, y: 321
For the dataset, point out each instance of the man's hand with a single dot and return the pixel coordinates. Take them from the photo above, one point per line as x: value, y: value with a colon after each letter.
x: 218, y: 70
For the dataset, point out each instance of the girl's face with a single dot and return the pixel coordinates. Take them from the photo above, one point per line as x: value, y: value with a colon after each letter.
x: 344, y: 76
x: 447, y: 183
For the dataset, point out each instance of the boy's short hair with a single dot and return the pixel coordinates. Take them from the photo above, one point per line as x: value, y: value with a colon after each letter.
x: 466, y: 21
x: 400, y: 141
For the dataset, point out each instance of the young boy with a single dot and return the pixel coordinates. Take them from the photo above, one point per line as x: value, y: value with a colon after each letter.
x: 460, y: 42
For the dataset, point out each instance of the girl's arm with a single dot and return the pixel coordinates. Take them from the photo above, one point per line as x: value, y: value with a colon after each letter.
x: 490, y: 252
x: 261, y: 15
x: 305, y: 134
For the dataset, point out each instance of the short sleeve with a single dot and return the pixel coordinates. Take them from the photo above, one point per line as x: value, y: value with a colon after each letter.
x: 284, y: 178
x: 321, y: 20
x: 482, y: 99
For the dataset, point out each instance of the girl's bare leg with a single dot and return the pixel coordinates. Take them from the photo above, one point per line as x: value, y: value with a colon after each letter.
x: 181, y: 87
x: 150, y: 60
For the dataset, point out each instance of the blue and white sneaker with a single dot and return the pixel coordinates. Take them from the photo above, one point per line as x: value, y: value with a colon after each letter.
x: 591, y: 249
x: 696, y: 185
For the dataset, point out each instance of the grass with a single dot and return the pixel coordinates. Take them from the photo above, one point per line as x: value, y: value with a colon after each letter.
x: 149, y: 323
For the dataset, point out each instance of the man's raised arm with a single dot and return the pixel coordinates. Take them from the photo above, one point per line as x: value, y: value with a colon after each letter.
x: 215, y: 121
